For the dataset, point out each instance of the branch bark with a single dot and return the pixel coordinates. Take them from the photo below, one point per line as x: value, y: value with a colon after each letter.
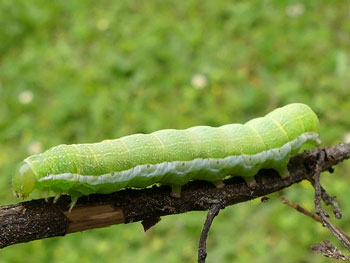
x: 38, y: 219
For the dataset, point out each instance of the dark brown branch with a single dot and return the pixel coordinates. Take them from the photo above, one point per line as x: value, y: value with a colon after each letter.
x: 37, y: 219
x: 202, y: 248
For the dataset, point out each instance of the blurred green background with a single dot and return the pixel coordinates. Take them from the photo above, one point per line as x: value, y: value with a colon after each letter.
x: 83, y: 71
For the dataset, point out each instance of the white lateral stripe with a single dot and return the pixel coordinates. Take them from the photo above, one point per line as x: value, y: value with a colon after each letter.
x: 181, y: 168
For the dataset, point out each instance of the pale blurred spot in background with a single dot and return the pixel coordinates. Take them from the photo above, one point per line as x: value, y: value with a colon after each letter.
x: 35, y: 147
x: 199, y: 81
x: 25, y: 97
x: 295, y: 10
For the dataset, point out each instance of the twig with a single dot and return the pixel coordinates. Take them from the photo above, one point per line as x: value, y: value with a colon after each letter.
x: 306, y: 212
x: 328, y: 250
x: 202, y: 248
x: 301, y: 209
x: 328, y: 200
x: 318, y: 206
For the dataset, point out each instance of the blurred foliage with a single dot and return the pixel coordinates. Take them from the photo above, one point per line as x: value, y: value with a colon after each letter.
x: 83, y: 71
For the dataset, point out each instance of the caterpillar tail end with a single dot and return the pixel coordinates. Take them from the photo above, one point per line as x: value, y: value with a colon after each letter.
x: 23, y: 181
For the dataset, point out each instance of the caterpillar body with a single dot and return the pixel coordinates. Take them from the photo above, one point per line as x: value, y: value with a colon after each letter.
x: 171, y: 157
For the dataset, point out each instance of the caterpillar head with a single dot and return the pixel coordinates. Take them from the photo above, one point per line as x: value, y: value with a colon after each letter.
x: 23, y: 181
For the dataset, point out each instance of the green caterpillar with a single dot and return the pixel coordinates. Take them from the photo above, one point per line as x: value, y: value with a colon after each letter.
x: 171, y: 157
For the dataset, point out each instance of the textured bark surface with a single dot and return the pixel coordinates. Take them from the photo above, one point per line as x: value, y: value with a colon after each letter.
x: 38, y: 219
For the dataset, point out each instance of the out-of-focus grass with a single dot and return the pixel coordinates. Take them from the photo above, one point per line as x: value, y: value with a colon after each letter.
x: 83, y: 71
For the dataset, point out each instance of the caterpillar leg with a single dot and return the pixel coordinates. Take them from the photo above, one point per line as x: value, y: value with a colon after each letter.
x: 56, y: 198
x: 46, y: 196
x: 285, y: 174
x: 43, y: 194
x: 175, y: 191
x: 283, y: 171
x: 251, y: 182
x: 73, y: 202
x: 219, y: 184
